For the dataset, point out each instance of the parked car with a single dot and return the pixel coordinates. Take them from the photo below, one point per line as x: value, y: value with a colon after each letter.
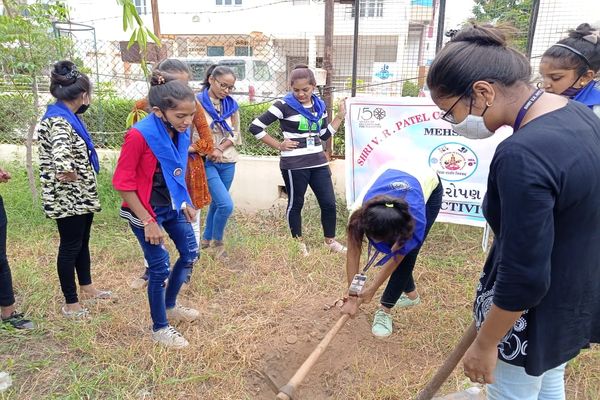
x: 255, y: 80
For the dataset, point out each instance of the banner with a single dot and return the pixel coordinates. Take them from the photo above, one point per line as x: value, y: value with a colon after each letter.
x: 382, y: 129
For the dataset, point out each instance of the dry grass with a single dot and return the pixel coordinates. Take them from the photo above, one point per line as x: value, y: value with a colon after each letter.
x: 246, y: 317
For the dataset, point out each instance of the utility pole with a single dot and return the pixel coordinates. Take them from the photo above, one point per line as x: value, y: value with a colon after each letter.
x: 355, y: 46
x: 155, y: 18
x: 328, y: 66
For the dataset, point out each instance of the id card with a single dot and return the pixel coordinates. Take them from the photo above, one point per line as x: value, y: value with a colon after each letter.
x: 310, y: 141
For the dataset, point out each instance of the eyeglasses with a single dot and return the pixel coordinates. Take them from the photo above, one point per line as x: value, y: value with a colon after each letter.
x: 225, y: 86
x: 448, y: 116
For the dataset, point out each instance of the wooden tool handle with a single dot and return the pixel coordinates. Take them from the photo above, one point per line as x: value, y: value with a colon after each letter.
x: 448, y: 366
x: 286, y: 392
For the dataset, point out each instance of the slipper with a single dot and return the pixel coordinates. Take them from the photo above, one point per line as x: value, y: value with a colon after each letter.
x: 82, y: 314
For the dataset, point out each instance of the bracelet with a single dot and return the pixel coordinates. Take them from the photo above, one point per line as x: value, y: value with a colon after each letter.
x: 279, y: 147
x: 220, y: 149
x: 148, y: 221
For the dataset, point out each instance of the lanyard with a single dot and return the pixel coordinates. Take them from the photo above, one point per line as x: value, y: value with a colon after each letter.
x: 534, y: 97
x: 370, y: 258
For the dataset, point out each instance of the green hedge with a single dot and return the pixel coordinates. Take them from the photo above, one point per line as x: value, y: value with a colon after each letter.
x: 16, y: 111
x: 106, y: 121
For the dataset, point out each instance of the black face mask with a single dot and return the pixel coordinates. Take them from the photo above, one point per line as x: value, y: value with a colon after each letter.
x: 82, y: 108
x: 167, y: 123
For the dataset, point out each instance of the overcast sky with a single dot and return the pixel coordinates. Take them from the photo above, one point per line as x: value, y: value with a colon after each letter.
x: 457, y: 11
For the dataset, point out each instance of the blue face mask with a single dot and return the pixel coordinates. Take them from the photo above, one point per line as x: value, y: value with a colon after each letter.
x: 571, y: 91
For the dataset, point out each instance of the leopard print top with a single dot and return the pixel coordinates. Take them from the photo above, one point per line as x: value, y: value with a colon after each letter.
x: 61, y: 149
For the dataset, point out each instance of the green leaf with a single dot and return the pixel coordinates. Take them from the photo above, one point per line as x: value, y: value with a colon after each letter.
x: 143, y: 40
x: 153, y: 36
x: 132, y: 39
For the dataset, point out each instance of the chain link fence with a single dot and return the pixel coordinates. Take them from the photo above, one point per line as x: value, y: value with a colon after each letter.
x: 397, y: 40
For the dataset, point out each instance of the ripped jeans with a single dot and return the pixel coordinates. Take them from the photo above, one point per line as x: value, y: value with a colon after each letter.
x: 181, y: 233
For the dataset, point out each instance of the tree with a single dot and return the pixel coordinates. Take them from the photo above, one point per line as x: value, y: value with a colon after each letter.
x: 515, y: 13
x: 27, y: 48
x: 140, y: 34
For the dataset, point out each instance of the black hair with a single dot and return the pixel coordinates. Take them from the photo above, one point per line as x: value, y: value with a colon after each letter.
x: 215, y: 71
x: 579, y: 54
x: 67, y: 83
x: 476, y: 52
x: 301, y: 71
x: 382, y: 218
x: 166, y: 91
x: 173, y: 66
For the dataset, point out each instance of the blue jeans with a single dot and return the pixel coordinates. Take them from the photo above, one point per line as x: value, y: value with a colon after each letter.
x: 181, y: 233
x: 219, y: 177
x: 513, y: 383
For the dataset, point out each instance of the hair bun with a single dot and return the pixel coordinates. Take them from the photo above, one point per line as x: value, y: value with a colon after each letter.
x: 299, y: 66
x: 483, y: 35
x: 159, y: 78
x: 585, y: 32
x: 65, y: 73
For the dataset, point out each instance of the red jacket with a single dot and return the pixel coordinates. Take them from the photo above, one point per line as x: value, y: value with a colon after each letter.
x: 135, y: 168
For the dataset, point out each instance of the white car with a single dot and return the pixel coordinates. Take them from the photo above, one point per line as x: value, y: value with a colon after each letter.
x: 255, y: 80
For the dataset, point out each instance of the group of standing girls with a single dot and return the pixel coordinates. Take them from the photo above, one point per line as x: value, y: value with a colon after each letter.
x: 212, y: 153
x: 163, y: 174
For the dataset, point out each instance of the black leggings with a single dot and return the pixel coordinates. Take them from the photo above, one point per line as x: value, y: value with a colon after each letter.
x: 7, y: 296
x: 401, y: 280
x: 319, y: 180
x: 74, y: 254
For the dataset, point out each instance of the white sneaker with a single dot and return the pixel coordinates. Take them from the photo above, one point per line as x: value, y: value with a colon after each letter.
x: 169, y: 337
x: 336, y: 247
x: 181, y: 313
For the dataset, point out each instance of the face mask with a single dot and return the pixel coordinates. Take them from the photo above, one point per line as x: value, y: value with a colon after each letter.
x: 167, y: 123
x: 82, y: 108
x: 473, y: 127
x: 571, y: 91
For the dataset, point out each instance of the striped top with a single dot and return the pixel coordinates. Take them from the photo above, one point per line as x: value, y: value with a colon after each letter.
x: 295, y: 126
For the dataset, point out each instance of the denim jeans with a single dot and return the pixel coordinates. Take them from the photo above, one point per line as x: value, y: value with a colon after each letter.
x: 219, y: 177
x: 513, y: 383
x: 181, y: 233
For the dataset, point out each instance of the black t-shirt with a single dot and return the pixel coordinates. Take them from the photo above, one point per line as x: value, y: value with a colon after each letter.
x: 543, y: 204
x: 160, y: 196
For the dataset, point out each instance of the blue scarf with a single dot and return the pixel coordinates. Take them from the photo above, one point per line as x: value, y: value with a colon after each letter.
x: 60, y: 109
x: 318, y: 106
x: 228, y: 107
x: 589, y: 95
x: 173, y: 160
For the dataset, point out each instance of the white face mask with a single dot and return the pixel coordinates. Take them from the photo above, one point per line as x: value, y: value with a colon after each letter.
x: 472, y: 127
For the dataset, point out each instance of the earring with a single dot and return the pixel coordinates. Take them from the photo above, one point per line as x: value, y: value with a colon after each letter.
x: 487, y: 104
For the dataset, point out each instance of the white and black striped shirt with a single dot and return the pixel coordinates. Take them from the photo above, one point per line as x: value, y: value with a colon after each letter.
x: 296, y: 127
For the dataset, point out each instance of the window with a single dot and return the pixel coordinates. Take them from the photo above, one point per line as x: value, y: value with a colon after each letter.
x: 368, y: 8
x: 215, y: 51
x: 238, y: 67
x: 243, y: 51
x: 228, y: 2
x: 140, y: 6
x: 261, y: 71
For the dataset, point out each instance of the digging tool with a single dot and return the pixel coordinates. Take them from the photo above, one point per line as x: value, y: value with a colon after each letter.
x: 286, y: 392
x: 448, y: 366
